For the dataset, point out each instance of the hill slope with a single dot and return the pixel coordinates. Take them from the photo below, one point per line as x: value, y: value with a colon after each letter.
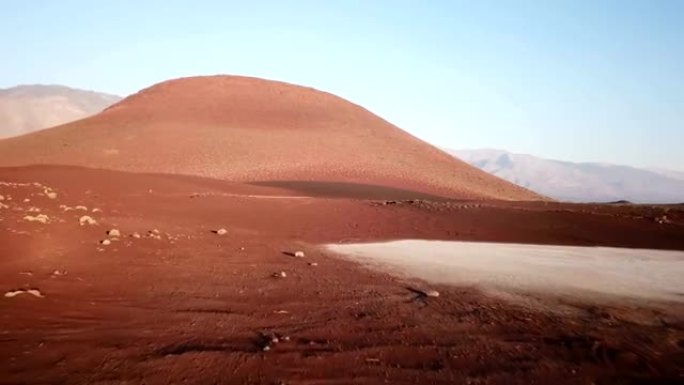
x: 25, y: 109
x: 248, y: 129
x: 581, y: 182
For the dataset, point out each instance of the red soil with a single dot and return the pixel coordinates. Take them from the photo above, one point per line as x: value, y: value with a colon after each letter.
x: 287, y: 168
x: 195, y: 307
x: 247, y: 129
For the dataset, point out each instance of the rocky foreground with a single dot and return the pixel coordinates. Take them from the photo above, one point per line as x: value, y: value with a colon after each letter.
x: 113, y: 278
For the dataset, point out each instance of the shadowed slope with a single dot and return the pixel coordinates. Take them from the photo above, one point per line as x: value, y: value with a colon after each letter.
x: 248, y: 129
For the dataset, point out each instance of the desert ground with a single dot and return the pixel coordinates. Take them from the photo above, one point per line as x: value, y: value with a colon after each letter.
x: 171, y: 298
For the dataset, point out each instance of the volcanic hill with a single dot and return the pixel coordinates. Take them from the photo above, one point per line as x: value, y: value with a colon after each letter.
x: 254, y: 130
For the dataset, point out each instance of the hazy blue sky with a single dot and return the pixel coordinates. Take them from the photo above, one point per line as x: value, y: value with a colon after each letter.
x: 578, y: 80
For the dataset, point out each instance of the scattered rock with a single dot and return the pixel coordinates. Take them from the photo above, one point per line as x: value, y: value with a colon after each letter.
x: 3, y: 206
x: 33, y: 210
x: 96, y: 210
x: 282, y: 274
x: 26, y: 200
x: 59, y: 273
x: 299, y: 254
x: 268, y: 341
x: 114, y: 233
x: 221, y: 231
x: 51, y: 195
x: 105, y: 242
x: 281, y: 312
x: 314, y: 264
x: 42, y: 218
x: 80, y: 207
x: 86, y: 220
x: 135, y: 235
x: 663, y: 219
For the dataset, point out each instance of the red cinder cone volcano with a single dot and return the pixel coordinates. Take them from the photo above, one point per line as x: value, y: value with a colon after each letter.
x: 247, y: 129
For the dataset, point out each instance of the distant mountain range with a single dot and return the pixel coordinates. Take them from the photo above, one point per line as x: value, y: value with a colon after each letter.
x: 579, y: 182
x: 29, y: 108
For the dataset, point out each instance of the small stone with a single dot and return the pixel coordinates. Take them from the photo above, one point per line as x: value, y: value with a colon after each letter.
x: 51, y: 195
x: 80, y: 207
x: 2, y: 197
x: 35, y: 293
x: 86, y: 220
x: 431, y: 293
x: 266, y: 348
x: 221, y: 231
x: 96, y: 210
x: 282, y: 274
x: 285, y: 338
x: 26, y: 200
x: 13, y: 293
x: 114, y: 233
x: 314, y: 264
x: 105, y: 242
x: 299, y: 254
x: 135, y: 235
